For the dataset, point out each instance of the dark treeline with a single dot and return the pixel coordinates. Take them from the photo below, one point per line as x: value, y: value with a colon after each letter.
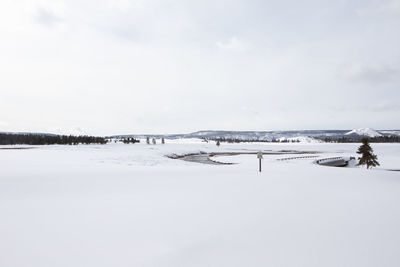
x: 32, y: 139
x: 378, y: 139
x: 130, y: 140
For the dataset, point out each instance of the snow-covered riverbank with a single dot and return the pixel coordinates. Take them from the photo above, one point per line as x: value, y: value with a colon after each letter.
x: 129, y: 205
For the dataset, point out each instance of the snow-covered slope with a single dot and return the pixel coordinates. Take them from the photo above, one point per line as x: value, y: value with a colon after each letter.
x: 263, y: 135
x: 300, y: 139
x: 391, y: 132
x: 69, y: 131
x: 364, y: 132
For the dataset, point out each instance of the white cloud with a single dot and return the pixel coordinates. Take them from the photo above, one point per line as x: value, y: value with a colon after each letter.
x: 46, y: 17
x: 391, y: 7
x: 377, y: 73
x: 114, y: 66
x: 233, y: 44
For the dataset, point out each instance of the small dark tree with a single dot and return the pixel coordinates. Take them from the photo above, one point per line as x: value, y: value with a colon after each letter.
x: 218, y: 143
x: 147, y: 140
x: 162, y: 141
x: 153, y: 141
x: 367, y: 156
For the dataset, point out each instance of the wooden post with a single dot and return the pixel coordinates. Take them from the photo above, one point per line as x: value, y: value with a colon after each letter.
x: 259, y: 156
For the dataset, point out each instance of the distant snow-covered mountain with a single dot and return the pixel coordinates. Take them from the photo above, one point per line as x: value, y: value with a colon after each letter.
x: 304, y: 136
x: 390, y: 132
x: 264, y: 135
x: 365, y: 132
x: 68, y: 131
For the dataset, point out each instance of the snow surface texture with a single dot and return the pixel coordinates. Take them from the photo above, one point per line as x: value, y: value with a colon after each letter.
x: 129, y: 205
x: 364, y: 132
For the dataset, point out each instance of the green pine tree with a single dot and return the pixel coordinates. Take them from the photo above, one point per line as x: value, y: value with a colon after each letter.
x: 367, y: 156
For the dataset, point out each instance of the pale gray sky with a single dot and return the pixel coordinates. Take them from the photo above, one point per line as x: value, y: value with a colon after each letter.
x: 153, y: 66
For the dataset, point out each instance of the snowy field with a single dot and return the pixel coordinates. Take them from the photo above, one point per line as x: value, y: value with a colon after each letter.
x: 129, y: 205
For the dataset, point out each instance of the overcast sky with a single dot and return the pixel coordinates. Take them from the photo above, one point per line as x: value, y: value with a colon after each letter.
x: 175, y: 66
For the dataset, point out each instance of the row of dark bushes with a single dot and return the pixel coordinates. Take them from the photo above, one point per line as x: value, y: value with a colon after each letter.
x: 129, y: 140
x: 377, y: 139
x: 34, y: 139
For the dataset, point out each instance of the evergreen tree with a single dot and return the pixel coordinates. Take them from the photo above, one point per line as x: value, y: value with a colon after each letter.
x: 162, y: 141
x: 218, y: 143
x: 154, y: 141
x: 147, y: 140
x: 367, y: 156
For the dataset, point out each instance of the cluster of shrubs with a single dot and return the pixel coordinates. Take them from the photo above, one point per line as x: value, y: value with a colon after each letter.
x: 286, y: 141
x: 36, y: 139
x: 154, y: 141
x: 378, y: 139
x: 130, y: 140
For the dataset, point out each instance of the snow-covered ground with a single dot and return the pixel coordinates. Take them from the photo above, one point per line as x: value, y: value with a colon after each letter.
x: 129, y: 205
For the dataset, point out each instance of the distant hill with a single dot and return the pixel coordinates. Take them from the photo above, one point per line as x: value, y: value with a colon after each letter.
x: 242, y: 135
x: 365, y: 132
x: 302, y: 135
x: 263, y: 135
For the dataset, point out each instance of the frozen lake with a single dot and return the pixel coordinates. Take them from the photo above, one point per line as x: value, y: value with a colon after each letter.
x: 130, y: 205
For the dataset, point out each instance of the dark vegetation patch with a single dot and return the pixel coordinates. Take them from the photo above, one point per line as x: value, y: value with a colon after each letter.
x: 15, y: 148
x: 37, y: 139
